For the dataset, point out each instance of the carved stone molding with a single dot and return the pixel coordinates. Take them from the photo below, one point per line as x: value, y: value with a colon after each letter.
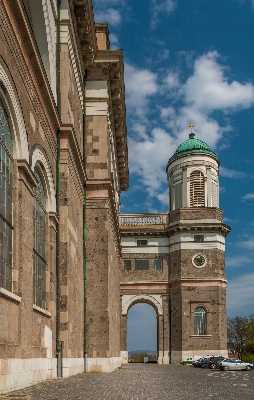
x: 26, y: 175
x: 86, y: 30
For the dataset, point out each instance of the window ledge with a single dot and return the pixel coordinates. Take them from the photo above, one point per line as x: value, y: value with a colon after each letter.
x: 41, y: 310
x: 201, y: 336
x: 9, y: 295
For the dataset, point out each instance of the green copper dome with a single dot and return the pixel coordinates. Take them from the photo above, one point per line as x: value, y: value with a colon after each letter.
x: 192, y: 145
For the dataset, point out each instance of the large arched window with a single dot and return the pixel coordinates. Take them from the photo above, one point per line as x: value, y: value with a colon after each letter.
x: 197, y: 189
x: 39, y: 254
x: 6, y: 168
x: 200, y: 321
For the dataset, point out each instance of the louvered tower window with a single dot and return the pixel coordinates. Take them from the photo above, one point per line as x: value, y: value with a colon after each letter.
x: 178, y: 195
x: 6, y: 228
x: 214, y: 194
x: 39, y: 254
x: 197, y: 189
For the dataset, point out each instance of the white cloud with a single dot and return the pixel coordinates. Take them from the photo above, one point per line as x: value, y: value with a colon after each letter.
x: 248, y: 196
x: 172, y: 80
x: 240, y: 299
x: 230, y: 173
x: 160, y: 7
x: 140, y: 84
x: 208, y: 88
x: 113, y: 41
x: 149, y: 157
x: 231, y: 221
x: 239, y: 261
x: 110, y: 15
x: 247, y: 244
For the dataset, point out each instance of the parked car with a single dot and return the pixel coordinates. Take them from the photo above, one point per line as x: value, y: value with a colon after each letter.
x: 230, y: 364
x: 202, y: 363
x: 188, y: 361
x: 195, y: 362
x: 213, y: 361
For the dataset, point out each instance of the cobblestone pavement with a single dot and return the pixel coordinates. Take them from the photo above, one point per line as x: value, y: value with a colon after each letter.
x: 145, y: 382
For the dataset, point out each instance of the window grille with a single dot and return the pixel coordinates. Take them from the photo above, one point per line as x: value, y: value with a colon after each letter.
x: 197, y: 189
x: 178, y: 195
x: 39, y: 254
x: 142, y: 242
x: 141, y: 264
x: 6, y: 228
x: 199, y: 238
x: 127, y: 265
x: 200, y: 321
x: 157, y: 265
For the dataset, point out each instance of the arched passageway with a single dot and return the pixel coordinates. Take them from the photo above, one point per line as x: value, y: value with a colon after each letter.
x: 158, y: 305
x: 142, y: 330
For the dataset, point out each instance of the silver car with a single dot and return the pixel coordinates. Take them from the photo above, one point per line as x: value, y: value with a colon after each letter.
x: 231, y: 363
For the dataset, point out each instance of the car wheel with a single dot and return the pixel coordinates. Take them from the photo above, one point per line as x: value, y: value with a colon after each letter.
x: 203, y: 365
x: 248, y: 368
x: 225, y: 368
x: 212, y: 366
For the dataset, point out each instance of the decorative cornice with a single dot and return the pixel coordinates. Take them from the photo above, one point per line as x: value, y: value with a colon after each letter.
x: 83, y: 11
x: 109, y: 64
x: 200, y: 227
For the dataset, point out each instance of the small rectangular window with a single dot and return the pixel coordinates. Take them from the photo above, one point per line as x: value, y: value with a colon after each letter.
x: 141, y: 264
x: 157, y: 265
x: 141, y: 242
x: 127, y: 265
x: 199, y: 238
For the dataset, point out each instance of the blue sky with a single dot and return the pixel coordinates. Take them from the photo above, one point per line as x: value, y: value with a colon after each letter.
x: 191, y: 61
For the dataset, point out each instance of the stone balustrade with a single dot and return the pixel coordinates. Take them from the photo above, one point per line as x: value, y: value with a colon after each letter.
x: 143, y: 219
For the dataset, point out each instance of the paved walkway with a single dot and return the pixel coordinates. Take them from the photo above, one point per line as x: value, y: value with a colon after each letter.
x: 145, y: 382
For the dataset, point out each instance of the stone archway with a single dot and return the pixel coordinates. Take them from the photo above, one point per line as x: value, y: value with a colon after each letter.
x: 157, y: 302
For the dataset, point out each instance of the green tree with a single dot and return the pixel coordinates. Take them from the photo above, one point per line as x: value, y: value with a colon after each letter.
x: 238, y: 334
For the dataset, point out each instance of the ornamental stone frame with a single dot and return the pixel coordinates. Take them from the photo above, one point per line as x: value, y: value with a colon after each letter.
x: 38, y: 156
x: 11, y: 102
x: 155, y: 300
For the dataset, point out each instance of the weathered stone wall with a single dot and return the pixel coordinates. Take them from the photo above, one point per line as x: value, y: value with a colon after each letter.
x: 202, y: 213
x: 103, y: 290
x: 114, y: 306
x: 71, y: 238
x: 145, y: 275
x: 97, y: 148
x: 182, y: 267
x: 183, y: 303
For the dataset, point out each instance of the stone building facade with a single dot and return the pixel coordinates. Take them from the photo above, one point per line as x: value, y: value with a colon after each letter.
x: 63, y: 165
x: 176, y: 262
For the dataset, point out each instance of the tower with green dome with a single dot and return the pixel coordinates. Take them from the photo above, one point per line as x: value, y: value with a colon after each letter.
x: 196, y: 253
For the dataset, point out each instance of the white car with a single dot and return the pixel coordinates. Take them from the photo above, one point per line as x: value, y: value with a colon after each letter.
x: 228, y: 364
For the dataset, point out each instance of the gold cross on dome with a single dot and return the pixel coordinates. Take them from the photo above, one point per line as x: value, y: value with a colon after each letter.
x: 191, y: 126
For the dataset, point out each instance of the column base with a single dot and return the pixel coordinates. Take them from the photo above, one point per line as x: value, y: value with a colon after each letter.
x: 163, y: 357
x: 103, y: 364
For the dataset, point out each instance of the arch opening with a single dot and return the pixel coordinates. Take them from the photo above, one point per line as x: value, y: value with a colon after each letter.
x: 142, y: 332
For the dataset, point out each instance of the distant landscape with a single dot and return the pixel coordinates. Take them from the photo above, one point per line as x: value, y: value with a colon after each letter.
x: 137, y: 356
x: 150, y: 352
